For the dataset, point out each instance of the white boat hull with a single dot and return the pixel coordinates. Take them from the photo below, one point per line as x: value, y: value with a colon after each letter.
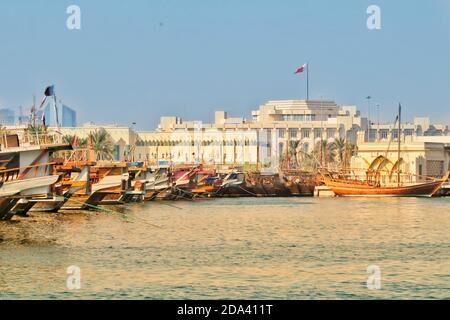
x: 28, y: 187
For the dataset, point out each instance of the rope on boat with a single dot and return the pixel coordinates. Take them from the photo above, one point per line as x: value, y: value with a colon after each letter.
x: 170, y: 205
x: 111, y: 211
x: 183, y: 191
x: 254, y: 194
x: 218, y: 190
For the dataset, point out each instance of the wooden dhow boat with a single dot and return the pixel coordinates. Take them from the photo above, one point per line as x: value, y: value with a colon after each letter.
x: 75, y: 179
x: 380, y: 181
x: 347, y: 187
x: 147, y: 182
x: 445, y: 188
x: 205, y: 182
x: 109, y: 181
x: 300, y: 183
x: 182, y: 182
x: 27, y: 173
x: 253, y: 184
x: 233, y: 185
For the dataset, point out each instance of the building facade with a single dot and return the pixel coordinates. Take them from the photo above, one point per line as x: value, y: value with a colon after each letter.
x: 422, y: 156
x: 69, y: 117
x: 263, y: 138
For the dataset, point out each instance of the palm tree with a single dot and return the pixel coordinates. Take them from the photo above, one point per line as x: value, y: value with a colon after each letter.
x: 81, y: 142
x: 67, y: 138
x: 36, y: 129
x: 350, y: 151
x: 340, y: 145
x: 293, y: 151
x: 325, y: 151
x: 345, y: 151
x: 330, y: 152
x: 102, y: 144
x: 37, y: 132
x: 309, y: 160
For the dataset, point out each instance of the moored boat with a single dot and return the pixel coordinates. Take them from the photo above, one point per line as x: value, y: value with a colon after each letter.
x: 346, y: 187
x: 75, y: 178
x: 300, y: 183
x: 383, y: 178
x: 27, y: 174
x: 109, y: 181
x: 254, y: 184
x: 147, y: 182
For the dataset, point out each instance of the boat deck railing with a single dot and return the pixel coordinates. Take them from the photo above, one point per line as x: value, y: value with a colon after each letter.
x: 37, y: 170
x: 379, y: 177
x: 13, y: 138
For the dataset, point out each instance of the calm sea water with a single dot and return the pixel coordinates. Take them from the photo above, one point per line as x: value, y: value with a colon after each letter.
x: 278, y: 248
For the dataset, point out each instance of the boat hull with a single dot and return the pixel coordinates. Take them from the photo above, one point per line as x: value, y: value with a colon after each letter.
x: 29, y: 187
x: 6, y: 204
x: 344, y: 189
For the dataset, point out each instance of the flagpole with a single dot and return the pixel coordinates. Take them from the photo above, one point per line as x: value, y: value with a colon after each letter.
x: 399, y: 141
x: 33, y: 112
x: 307, y: 81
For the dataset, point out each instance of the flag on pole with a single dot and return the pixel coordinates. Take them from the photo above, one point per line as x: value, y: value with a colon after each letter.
x: 74, y: 142
x: 50, y: 91
x: 301, y: 69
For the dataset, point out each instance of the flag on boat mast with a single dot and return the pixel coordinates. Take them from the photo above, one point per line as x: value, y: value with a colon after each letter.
x: 300, y: 70
x: 74, y: 142
x: 50, y: 91
x: 43, y: 119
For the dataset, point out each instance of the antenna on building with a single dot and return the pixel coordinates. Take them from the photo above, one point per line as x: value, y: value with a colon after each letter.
x: 368, y: 119
x: 399, y: 135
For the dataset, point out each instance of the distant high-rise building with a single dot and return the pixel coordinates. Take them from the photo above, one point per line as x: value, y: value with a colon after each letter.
x: 69, y: 117
x: 23, y: 119
x: 7, y: 117
x: 49, y: 114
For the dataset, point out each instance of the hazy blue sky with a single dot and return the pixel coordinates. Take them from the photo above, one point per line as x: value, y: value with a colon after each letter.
x: 134, y: 61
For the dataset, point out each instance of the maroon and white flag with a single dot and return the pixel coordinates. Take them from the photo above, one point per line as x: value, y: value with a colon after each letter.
x: 301, y: 69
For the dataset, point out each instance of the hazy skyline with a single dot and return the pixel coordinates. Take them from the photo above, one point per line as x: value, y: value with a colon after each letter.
x: 136, y: 61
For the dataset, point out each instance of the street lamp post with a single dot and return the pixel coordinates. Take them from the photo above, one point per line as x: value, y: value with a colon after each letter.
x: 378, y: 121
x: 368, y: 119
x: 133, y: 147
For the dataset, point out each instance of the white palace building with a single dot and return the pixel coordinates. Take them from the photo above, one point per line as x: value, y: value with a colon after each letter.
x: 262, y: 138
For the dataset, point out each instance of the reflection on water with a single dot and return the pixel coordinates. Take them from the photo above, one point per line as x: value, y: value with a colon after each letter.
x: 280, y: 248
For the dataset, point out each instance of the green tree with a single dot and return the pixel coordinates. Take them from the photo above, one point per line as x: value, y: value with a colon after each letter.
x: 340, y: 146
x: 345, y: 151
x: 293, y: 151
x: 308, y: 160
x: 102, y: 144
x: 350, y: 151
x: 325, y: 152
x: 80, y: 142
x: 34, y: 129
